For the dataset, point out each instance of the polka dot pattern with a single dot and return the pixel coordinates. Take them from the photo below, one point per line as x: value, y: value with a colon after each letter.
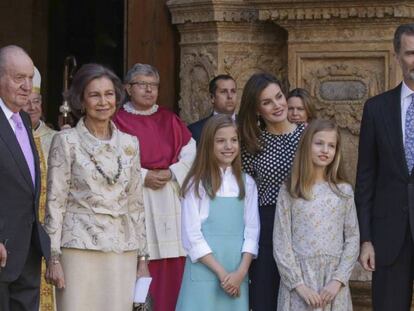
x: 271, y: 166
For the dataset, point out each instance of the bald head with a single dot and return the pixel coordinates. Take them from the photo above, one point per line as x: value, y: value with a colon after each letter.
x: 16, y: 75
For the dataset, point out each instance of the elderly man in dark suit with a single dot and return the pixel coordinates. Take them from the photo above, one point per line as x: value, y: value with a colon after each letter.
x: 223, y: 94
x: 385, y: 185
x: 22, y: 239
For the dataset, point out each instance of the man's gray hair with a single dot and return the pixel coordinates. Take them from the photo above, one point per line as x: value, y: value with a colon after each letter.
x: 141, y: 69
x: 4, y: 52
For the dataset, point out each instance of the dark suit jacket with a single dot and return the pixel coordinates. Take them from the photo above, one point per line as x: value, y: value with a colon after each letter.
x: 19, y: 199
x: 196, y: 128
x: 383, y: 184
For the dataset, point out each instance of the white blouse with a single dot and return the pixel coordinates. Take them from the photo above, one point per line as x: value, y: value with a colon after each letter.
x: 195, y: 211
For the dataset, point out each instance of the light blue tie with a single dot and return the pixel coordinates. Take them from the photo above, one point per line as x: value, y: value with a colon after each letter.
x: 409, y: 135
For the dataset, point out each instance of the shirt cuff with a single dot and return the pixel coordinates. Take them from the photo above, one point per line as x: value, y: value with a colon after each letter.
x: 250, y: 246
x: 198, y: 251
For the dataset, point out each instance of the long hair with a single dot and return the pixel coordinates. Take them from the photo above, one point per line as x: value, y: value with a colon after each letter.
x: 248, y: 120
x: 302, y: 175
x: 205, y: 168
x: 306, y: 100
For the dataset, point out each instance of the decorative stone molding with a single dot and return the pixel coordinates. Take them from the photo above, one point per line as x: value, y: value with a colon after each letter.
x: 284, y: 12
x: 340, y: 89
x: 197, y: 69
x: 211, y: 11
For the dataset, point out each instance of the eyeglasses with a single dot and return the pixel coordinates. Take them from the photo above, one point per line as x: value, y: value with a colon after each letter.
x: 144, y: 85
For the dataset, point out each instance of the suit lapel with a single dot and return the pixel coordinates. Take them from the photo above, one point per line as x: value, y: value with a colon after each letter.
x: 8, y: 136
x: 28, y: 126
x: 392, y: 116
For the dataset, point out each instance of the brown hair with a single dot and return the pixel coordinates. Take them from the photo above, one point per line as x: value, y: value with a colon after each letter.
x: 405, y: 29
x: 306, y: 100
x: 301, y: 179
x: 83, y: 77
x: 205, y: 169
x: 247, y: 117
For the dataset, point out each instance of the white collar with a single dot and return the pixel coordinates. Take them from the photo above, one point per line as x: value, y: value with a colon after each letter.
x: 7, y: 112
x: 227, y: 171
x: 405, y: 91
x: 128, y: 107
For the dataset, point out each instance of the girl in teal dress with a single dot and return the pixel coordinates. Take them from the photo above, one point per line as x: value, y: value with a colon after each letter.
x: 220, y: 223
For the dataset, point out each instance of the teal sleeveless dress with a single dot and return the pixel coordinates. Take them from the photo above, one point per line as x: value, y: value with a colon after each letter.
x: 224, y: 232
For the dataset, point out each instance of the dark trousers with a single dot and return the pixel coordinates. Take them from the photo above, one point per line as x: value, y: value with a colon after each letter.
x: 263, y: 273
x: 23, y: 293
x: 392, y: 286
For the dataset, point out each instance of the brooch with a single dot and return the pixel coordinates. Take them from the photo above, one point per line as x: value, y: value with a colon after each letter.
x: 129, y: 150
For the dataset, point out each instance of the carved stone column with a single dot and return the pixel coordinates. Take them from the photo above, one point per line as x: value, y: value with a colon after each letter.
x: 223, y: 37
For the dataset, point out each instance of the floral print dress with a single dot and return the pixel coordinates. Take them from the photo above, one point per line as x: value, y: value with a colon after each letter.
x: 315, y: 241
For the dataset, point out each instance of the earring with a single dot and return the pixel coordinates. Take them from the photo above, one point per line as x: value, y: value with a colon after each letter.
x: 258, y: 120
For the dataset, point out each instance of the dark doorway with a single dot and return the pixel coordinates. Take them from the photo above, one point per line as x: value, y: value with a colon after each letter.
x: 90, y: 30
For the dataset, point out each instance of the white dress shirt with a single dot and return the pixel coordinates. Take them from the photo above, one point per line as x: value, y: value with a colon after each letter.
x: 8, y: 113
x: 406, y: 93
x: 195, y: 211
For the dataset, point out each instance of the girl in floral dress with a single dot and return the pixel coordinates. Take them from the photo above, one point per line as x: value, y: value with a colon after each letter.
x: 316, y: 236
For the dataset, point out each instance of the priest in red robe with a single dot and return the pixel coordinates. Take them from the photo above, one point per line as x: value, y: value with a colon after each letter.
x: 167, y: 152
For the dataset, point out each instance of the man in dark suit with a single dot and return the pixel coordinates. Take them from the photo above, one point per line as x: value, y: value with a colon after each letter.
x: 22, y: 239
x: 223, y: 94
x: 384, y: 193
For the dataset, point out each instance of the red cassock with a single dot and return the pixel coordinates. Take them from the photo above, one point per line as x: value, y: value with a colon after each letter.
x: 161, y: 137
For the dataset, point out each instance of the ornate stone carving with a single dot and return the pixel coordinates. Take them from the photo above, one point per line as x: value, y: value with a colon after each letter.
x: 197, y: 68
x: 242, y: 65
x: 211, y: 11
x: 340, y: 89
x: 303, y: 11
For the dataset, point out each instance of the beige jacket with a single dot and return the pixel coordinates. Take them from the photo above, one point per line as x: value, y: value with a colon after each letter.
x: 83, y: 210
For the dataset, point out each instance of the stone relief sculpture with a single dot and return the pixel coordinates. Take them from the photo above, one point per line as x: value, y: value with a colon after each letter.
x: 197, y: 70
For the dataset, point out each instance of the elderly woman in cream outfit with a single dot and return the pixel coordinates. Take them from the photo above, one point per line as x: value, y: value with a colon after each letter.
x: 95, y: 213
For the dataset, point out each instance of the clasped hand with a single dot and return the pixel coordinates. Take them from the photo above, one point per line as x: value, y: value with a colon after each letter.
x: 319, y: 300
x: 231, y: 283
x: 156, y: 179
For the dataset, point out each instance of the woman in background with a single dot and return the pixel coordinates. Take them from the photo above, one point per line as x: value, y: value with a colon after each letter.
x: 300, y: 106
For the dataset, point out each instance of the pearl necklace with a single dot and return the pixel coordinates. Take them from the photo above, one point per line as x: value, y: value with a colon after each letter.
x: 130, y: 108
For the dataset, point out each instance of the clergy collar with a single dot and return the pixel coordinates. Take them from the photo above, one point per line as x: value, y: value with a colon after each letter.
x: 129, y: 107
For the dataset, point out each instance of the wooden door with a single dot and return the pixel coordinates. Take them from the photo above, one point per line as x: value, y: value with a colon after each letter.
x: 152, y: 39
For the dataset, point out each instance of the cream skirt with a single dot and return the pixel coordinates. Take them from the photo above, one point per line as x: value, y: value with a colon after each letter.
x: 97, y: 281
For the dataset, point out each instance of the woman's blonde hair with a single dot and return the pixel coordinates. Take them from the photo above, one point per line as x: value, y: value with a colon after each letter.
x: 301, y: 179
x: 205, y: 168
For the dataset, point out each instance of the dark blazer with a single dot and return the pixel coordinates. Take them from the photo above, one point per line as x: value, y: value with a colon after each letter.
x: 196, y: 128
x: 384, y: 184
x: 19, y: 202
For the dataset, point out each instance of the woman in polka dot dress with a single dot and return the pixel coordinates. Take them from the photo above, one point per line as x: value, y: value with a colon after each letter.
x: 269, y: 143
